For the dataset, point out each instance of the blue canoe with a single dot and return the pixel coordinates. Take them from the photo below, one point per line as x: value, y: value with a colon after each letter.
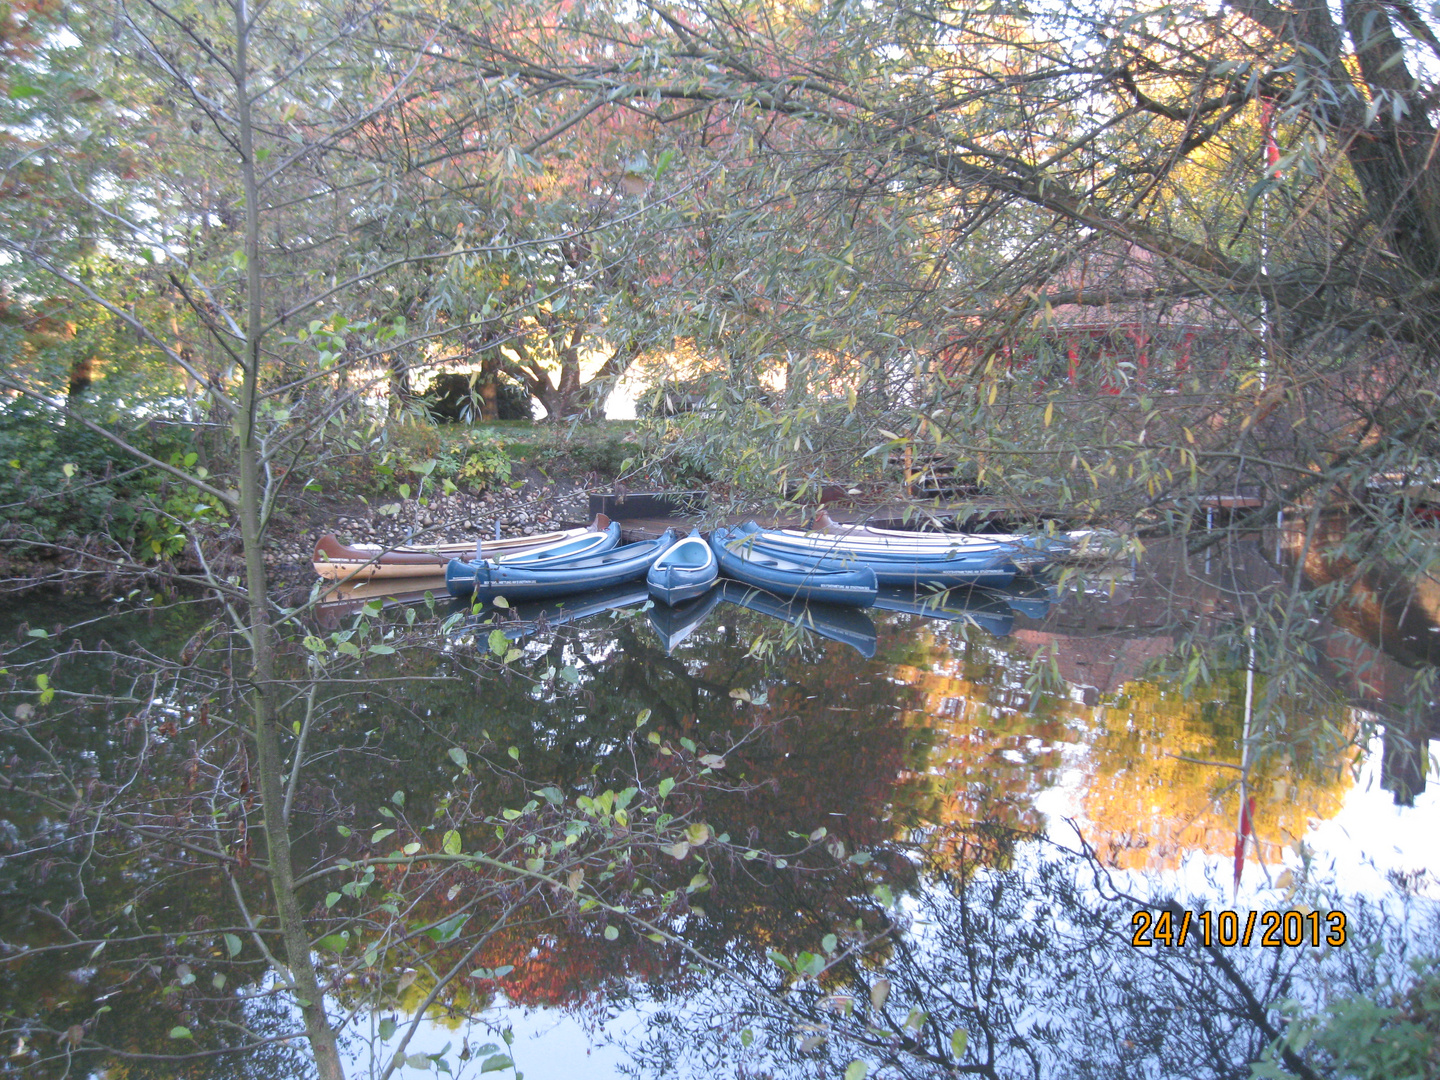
x: 1029, y: 552
x: 683, y: 572
x: 519, y: 581
x: 989, y: 564
x: 790, y: 576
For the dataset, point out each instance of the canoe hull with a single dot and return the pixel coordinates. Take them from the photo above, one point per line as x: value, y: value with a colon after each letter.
x: 1028, y: 552
x: 684, y: 572
x: 486, y: 580
x: 791, y: 577
x: 992, y: 565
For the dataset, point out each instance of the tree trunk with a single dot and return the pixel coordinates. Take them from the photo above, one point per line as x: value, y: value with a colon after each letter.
x: 303, y: 980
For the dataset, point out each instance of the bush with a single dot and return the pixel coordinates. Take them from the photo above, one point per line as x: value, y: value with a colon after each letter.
x: 455, y: 397
x: 58, y: 479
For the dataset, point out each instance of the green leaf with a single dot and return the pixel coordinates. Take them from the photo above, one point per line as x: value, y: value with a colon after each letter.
x: 180, y: 1033
x: 335, y: 942
x: 233, y: 944
x: 611, y: 933
x: 495, y: 1064
x: 380, y: 834
x: 448, y: 930
x: 570, y: 675
x: 459, y: 757
x: 387, y: 1028
x: 451, y: 844
x: 331, y: 899
x: 499, y: 643
x: 828, y: 943
x: 380, y: 650
x: 553, y: 795
x: 959, y: 1039
x: 856, y: 1070
x: 666, y: 786
x: 514, y: 752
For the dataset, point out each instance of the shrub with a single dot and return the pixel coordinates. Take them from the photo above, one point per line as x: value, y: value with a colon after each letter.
x: 455, y: 396
x: 58, y: 479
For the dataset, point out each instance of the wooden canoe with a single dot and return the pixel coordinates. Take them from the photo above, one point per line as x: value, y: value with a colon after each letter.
x: 365, y: 562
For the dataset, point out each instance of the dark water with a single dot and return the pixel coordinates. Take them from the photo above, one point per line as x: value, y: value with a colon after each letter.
x: 1001, y: 786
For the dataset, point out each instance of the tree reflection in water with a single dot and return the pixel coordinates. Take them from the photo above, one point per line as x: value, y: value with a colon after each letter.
x: 1026, y: 971
x: 872, y: 883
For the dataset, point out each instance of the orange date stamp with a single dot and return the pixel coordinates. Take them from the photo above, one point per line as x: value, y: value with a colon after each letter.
x: 1268, y: 929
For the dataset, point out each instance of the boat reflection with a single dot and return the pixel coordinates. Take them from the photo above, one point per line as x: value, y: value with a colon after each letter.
x: 336, y: 603
x: 991, y: 610
x: 537, y: 616
x: 847, y: 625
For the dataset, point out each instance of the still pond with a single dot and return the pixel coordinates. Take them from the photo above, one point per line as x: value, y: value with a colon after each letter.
x: 911, y: 842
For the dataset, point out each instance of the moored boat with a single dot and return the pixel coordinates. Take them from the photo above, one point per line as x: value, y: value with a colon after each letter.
x: 992, y: 564
x: 794, y: 577
x: 366, y: 562
x: 487, y: 579
x: 1028, y: 552
x: 560, y: 551
x: 683, y: 572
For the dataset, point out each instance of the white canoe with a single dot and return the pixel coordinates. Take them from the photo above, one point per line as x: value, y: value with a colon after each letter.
x: 367, y: 562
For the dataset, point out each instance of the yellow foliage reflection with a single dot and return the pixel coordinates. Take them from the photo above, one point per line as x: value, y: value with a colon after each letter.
x: 1150, y: 775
